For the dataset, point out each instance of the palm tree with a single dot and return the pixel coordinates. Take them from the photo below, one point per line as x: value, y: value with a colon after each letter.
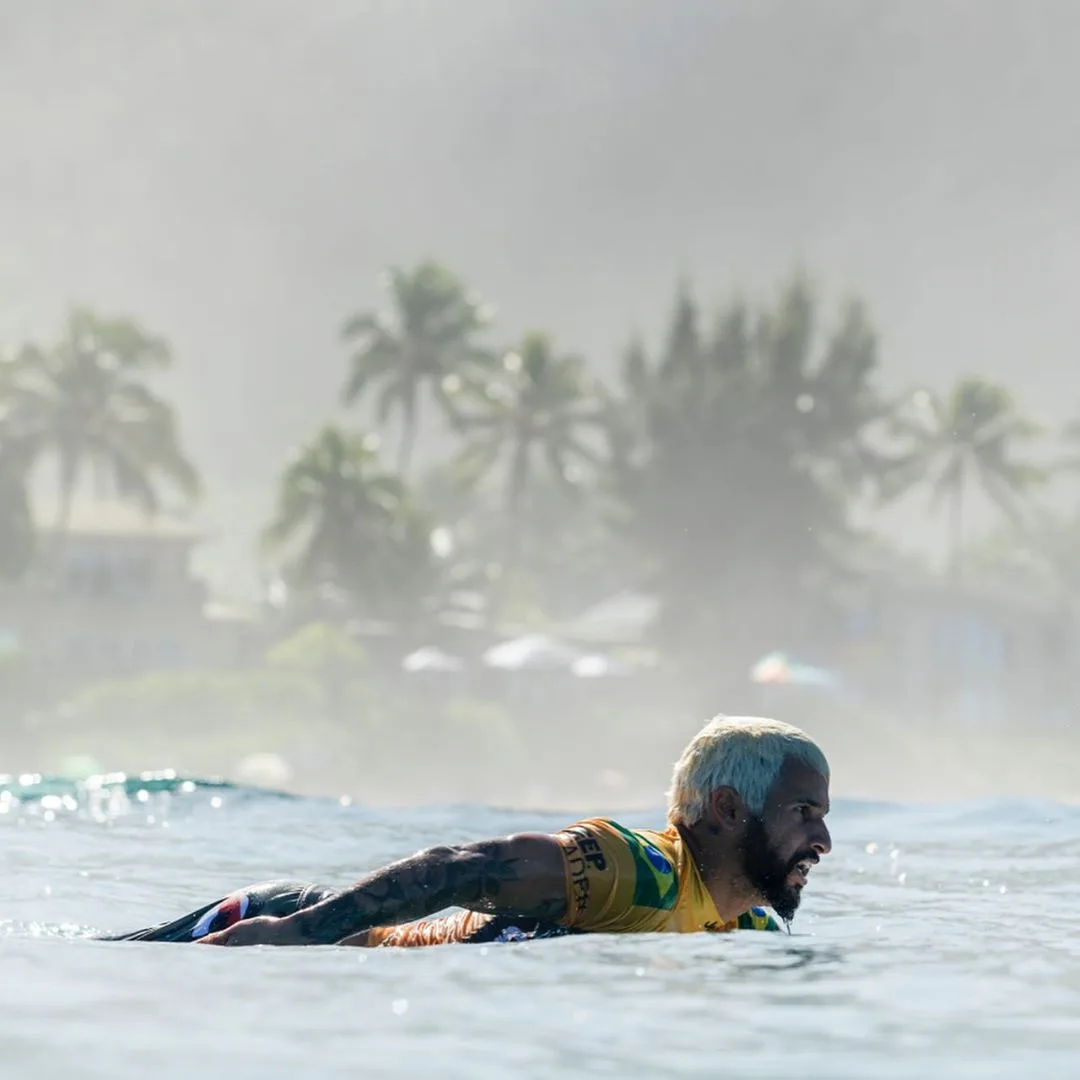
x: 16, y: 522
x: 344, y: 522
x: 534, y: 412
x: 335, y: 505
x: 965, y: 440
x: 1044, y: 556
x: 16, y: 525
x: 17, y: 538
x: 85, y: 403
x: 1069, y: 462
x: 428, y: 340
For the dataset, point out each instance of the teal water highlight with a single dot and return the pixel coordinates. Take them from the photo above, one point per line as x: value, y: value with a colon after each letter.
x: 79, y: 795
x: 936, y: 940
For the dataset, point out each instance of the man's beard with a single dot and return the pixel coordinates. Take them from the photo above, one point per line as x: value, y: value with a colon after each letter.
x: 767, y: 873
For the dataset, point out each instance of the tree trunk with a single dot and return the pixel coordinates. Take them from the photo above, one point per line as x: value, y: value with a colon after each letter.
x: 68, y: 466
x: 67, y: 496
x: 956, y: 533
x: 517, y: 482
x: 408, y: 435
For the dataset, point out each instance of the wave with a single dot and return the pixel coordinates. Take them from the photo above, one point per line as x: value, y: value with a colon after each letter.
x: 110, y: 794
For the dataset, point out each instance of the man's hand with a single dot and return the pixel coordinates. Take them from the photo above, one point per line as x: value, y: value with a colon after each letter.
x: 264, y: 930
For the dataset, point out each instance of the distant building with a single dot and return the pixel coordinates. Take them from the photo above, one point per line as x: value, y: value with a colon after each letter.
x: 970, y: 651
x: 112, y: 595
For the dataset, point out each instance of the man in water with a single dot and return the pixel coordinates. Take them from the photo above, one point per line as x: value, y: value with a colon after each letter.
x: 746, y: 822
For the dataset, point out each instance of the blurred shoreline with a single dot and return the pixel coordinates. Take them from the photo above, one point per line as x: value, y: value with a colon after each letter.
x: 579, y: 768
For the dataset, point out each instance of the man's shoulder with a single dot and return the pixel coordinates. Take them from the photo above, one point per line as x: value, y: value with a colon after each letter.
x: 617, y: 828
x: 660, y: 847
x: 645, y: 861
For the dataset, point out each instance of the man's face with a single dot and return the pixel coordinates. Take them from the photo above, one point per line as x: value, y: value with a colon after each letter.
x: 781, y: 846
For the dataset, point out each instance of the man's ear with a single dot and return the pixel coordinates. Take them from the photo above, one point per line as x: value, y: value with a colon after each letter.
x: 727, y: 811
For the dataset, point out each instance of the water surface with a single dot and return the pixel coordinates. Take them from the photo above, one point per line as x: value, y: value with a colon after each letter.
x: 934, y: 941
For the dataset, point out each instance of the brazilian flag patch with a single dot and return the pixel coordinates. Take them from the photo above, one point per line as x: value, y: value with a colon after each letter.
x: 655, y: 883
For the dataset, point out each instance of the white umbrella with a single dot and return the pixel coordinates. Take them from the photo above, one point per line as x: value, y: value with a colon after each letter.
x: 431, y: 659
x: 595, y: 666
x: 532, y: 652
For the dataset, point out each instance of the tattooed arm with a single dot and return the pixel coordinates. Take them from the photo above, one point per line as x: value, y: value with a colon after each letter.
x: 520, y: 875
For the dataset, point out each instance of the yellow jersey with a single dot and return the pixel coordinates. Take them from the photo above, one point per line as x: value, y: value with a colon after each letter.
x: 625, y: 881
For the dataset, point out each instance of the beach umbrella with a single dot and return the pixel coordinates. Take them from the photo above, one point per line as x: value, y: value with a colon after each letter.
x: 595, y: 666
x: 532, y: 652
x: 431, y: 658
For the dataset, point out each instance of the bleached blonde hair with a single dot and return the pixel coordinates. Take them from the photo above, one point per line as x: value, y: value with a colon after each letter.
x: 745, y: 753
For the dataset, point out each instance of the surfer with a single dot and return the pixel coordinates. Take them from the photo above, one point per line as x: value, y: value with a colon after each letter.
x: 746, y: 823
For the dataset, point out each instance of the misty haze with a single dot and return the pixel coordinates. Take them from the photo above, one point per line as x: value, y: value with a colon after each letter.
x: 236, y: 177
x: 419, y: 417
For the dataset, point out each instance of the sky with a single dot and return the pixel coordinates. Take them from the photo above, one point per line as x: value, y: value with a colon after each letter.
x: 235, y: 173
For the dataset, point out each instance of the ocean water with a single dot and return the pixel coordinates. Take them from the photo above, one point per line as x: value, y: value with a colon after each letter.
x: 936, y: 941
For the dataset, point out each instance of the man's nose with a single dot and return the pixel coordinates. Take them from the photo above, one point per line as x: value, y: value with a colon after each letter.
x: 822, y: 842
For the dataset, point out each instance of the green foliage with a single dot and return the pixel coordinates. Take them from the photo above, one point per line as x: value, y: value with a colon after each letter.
x: 722, y: 474
x: 966, y: 440
x: 533, y: 413
x: 85, y: 403
x: 17, y: 539
x: 721, y: 471
x: 317, y: 648
x: 166, y: 714
x: 344, y: 522
x: 1042, y: 556
x: 207, y: 722
x: 427, y: 342
x: 328, y: 656
x: 737, y: 455
x: 335, y: 505
x: 466, y: 728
